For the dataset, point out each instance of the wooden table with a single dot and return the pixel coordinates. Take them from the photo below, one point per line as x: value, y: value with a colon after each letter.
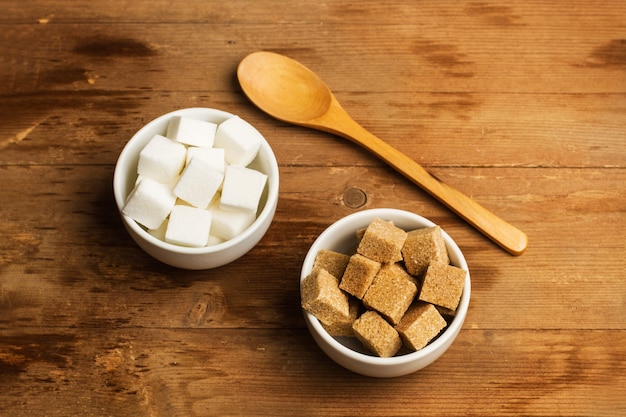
x: 521, y: 105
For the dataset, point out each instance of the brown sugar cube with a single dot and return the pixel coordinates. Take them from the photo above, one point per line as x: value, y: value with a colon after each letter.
x: 382, y: 242
x: 443, y: 285
x: 361, y: 232
x: 322, y: 297
x: 423, y: 247
x: 359, y: 274
x: 333, y: 262
x: 343, y: 327
x: 391, y: 292
x: 421, y: 323
x: 376, y: 334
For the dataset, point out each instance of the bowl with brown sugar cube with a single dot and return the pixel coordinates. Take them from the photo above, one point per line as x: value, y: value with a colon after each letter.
x: 384, y: 292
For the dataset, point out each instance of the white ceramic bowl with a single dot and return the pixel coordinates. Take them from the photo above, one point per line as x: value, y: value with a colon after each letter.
x: 348, y: 352
x: 183, y: 257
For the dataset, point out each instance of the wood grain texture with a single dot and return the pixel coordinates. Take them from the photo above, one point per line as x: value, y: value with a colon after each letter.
x: 229, y: 372
x: 520, y: 106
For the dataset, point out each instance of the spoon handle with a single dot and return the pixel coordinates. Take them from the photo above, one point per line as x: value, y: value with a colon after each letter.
x: 499, y: 231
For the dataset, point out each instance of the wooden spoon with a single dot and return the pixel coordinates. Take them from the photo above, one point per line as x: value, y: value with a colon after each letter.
x: 288, y: 91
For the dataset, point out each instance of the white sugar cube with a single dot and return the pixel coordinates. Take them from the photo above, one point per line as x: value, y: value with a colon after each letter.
x: 242, y: 188
x: 191, y: 132
x: 215, y: 157
x: 239, y: 139
x: 188, y: 226
x: 214, y: 240
x: 149, y: 203
x: 171, y: 182
x: 161, y: 159
x: 228, y: 224
x: 198, y: 183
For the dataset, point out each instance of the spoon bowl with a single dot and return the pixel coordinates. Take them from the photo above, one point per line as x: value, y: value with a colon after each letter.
x: 300, y: 96
x: 289, y: 91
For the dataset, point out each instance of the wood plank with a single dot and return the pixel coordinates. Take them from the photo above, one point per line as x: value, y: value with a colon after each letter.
x: 430, y: 13
x: 275, y: 371
x: 446, y: 59
x: 436, y: 130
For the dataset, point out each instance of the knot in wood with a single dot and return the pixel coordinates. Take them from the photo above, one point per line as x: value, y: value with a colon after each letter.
x: 354, y: 198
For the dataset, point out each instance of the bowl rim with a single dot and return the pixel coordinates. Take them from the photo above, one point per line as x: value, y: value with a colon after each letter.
x: 444, y: 338
x: 127, y: 153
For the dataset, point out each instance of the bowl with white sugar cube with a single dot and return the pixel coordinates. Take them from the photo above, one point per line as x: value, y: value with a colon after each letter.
x: 197, y: 188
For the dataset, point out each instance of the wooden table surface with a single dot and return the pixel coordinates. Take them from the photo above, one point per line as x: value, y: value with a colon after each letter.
x: 521, y: 105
